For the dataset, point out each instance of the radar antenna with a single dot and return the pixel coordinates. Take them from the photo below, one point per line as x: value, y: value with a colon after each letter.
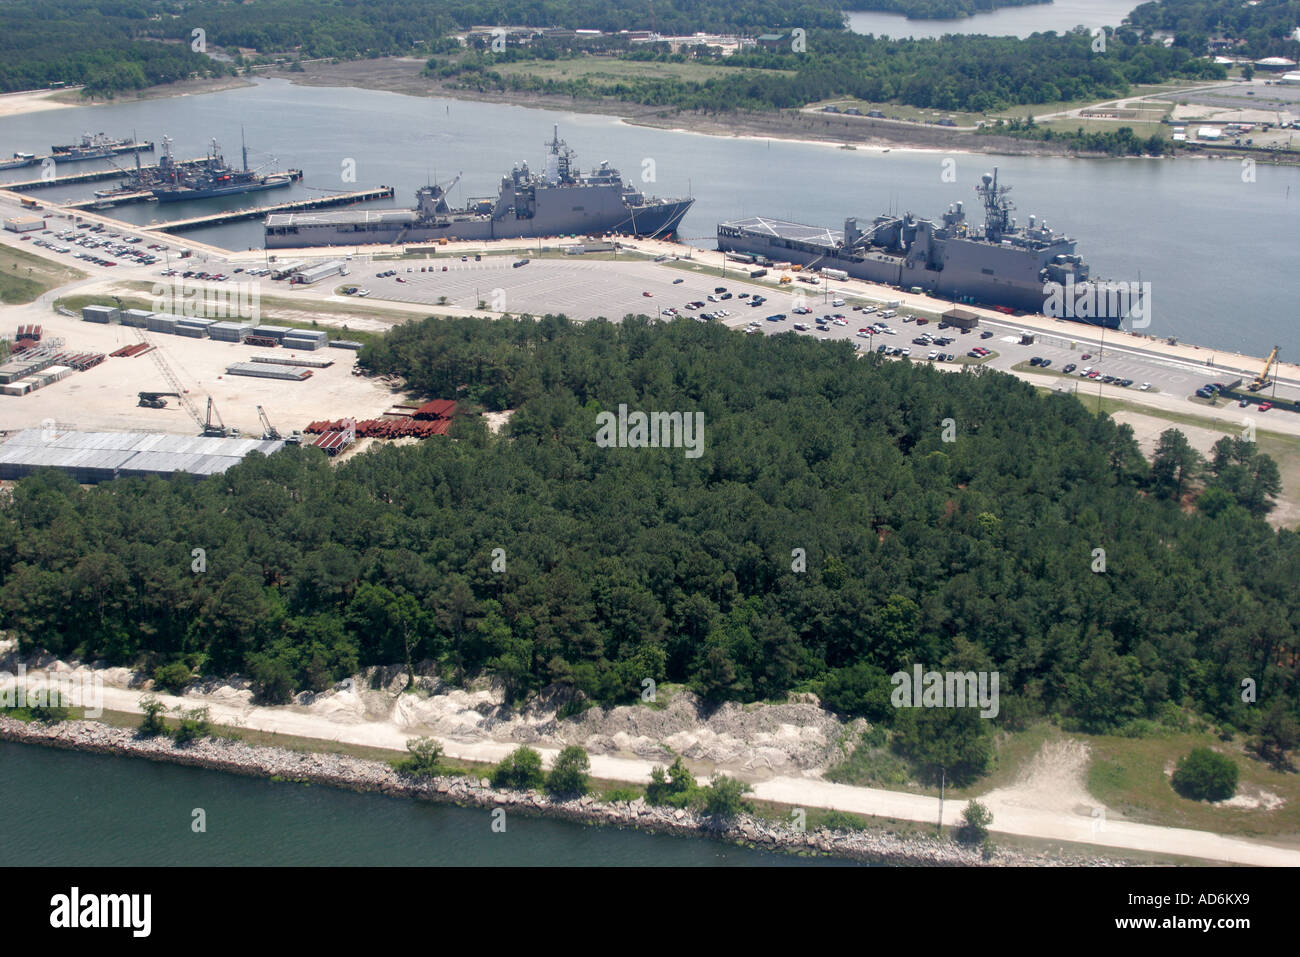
x: 997, y: 208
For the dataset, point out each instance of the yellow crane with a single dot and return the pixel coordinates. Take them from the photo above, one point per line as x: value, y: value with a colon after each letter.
x: 1263, y: 378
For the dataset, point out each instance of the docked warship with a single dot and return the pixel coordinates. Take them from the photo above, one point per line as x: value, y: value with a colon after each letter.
x: 93, y: 146
x: 562, y: 201
x: 1001, y: 264
x: 212, y: 176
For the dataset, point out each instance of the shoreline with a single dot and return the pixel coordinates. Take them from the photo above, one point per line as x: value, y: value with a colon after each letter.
x: 357, y: 774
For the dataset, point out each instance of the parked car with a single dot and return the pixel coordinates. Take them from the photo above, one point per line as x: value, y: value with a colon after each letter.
x: 1069, y: 368
x: 986, y: 334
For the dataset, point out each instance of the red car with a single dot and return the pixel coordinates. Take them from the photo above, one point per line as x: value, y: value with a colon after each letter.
x: 1087, y: 355
x: 646, y: 294
x: 1265, y: 406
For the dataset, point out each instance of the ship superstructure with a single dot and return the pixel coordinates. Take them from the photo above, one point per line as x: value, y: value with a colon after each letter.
x: 561, y: 201
x: 1001, y: 263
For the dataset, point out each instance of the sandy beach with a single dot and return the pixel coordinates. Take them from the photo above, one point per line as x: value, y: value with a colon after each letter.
x: 34, y: 101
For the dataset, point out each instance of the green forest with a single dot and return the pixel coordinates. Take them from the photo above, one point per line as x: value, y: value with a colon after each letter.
x: 120, y: 45
x: 972, y: 73
x: 828, y: 537
x: 1266, y: 28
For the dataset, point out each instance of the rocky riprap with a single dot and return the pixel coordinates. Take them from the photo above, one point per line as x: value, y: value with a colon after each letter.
x: 342, y: 771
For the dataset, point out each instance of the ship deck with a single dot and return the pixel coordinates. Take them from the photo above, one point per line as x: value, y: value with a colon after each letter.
x: 350, y: 217
x: 763, y: 227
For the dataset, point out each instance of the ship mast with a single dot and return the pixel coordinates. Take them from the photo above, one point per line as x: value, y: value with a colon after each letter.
x: 997, y: 208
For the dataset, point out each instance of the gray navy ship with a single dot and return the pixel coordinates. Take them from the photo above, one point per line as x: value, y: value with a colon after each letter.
x: 1000, y: 264
x: 562, y: 201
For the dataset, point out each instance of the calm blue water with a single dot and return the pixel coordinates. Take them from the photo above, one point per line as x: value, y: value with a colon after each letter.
x: 1219, y: 252
x: 1060, y: 16
x: 60, y: 808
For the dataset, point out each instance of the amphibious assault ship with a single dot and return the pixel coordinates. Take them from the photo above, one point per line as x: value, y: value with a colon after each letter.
x: 213, y: 177
x: 562, y: 201
x: 1000, y: 264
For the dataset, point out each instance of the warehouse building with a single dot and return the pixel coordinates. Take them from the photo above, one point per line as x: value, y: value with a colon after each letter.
x: 91, y: 457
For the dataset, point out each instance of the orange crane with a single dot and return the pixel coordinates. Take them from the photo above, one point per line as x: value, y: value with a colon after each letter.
x: 1263, y: 379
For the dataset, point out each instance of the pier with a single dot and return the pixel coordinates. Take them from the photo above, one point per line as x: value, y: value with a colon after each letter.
x: 256, y: 212
x: 115, y: 173
x: 117, y: 199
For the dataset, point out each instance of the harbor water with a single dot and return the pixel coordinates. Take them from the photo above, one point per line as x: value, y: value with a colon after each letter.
x: 66, y: 809
x: 1217, y: 247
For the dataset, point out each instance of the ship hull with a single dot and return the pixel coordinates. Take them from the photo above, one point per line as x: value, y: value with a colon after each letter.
x: 81, y: 156
x: 657, y: 220
x: 968, y: 272
x: 183, y: 195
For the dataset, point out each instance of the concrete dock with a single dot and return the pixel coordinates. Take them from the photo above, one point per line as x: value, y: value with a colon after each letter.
x: 257, y: 212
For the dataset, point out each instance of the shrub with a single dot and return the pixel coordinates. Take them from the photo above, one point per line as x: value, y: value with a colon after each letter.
x: 152, y: 723
x: 568, y: 777
x: 622, y: 794
x: 193, y: 725
x: 423, y: 758
x: 843, y: 821
x: 521, y: 770
x: 975, y: 824
x: 1203, y: 775
x: 173, y: 677
x: 725, y: 798
x: 674, y: 787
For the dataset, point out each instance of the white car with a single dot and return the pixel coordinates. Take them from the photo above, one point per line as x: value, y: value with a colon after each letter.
x: 840, y: 322
x: 870, y: 308
x: 363, y: 292
x: 932, y: 356
x: 1145, y: 386
x: 906, y: 352
x: 837, y: 302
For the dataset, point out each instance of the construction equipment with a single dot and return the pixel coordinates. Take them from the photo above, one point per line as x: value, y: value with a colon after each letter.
x: 156, y: 400
x: 1263, y: 379
x: 217, y: 429
x: 169, y: 377
x: 270, y: 433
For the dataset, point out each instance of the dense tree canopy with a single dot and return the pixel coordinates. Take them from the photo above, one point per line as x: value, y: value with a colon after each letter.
x: 623, y: 564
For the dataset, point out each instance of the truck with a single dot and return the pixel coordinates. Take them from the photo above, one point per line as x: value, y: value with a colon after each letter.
x: 838, y: 274
x: 757, y: 273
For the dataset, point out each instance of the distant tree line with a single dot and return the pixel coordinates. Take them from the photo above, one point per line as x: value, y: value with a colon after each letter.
x: 626, y: 564
x: 1118, y: 142
x: 956, y: 73
x: 1267, y: 27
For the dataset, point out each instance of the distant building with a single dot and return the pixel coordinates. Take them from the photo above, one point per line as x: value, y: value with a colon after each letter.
x: 771, y: 41
x: 1275, y: 63
x: 1290, y: 78
x: 1208, y: 133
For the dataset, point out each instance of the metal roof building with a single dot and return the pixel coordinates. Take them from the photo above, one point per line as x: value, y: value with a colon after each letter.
x: 100, y: 456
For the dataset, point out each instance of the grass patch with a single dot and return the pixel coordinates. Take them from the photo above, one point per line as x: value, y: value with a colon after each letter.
x: 25, y: 276
x: 1129, y: 775
x: 605, y: 72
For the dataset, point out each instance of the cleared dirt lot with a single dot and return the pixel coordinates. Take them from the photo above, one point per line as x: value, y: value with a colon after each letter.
x: 105, y: 397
